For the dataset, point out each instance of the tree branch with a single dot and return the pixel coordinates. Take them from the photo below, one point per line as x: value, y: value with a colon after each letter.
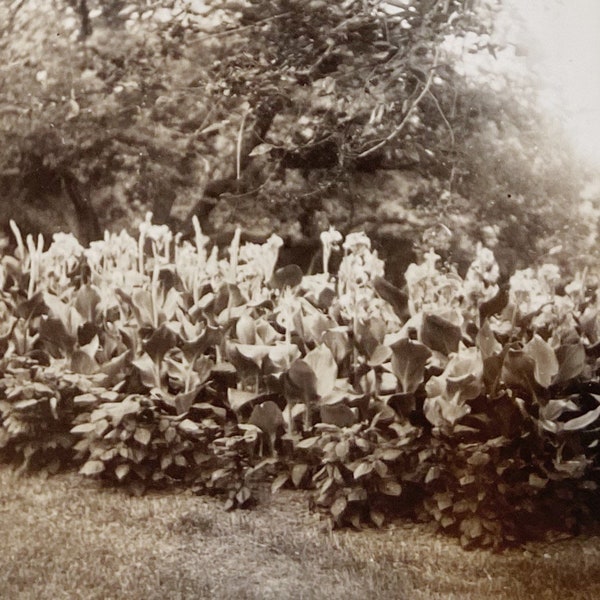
x: 396, y: 132
x: 209, y: 35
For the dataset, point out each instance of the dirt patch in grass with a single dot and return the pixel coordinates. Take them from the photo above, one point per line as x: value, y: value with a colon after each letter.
x: 67, y: 538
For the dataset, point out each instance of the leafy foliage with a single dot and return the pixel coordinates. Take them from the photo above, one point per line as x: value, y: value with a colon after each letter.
x: 284, y: 116
x: 156, y: 362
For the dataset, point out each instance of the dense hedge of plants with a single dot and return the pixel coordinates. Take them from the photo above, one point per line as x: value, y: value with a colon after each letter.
x: 155, y: 361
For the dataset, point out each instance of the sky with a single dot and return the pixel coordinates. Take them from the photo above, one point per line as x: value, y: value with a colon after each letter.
x: 562, y: 38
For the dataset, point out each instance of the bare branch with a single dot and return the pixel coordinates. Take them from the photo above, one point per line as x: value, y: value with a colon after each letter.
x: 398, y: 130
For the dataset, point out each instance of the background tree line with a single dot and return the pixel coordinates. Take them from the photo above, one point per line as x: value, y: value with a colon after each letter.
x: 286, y: 116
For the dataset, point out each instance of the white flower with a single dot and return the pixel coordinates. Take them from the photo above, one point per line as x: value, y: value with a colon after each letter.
x: 357, y: 242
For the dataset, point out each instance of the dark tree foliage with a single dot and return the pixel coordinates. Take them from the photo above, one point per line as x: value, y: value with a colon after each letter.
x: 276, y: 114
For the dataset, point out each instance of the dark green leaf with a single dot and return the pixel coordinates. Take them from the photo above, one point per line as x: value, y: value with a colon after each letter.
x: 338, y: 414
x: 408, y: 363
x: 546, y: 364
x: 300, y: 383
x: 267, y: 417
x: 518, y: 368
x: 395, y: 296
x: 92, y: 467
x: 160, y: 342
x: 486, y: 341
x: 494, y: 306
x: 571, y: 360
x: 32, y: 307
x: 440, y: 335
x: 298, y: 473
x: 323, y: 364
x: 288, y: 276
x: 86, y: 301
x: 54, y: 332
x: 582, y: 421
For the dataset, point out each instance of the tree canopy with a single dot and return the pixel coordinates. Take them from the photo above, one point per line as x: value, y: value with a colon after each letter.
x: 284, y: 114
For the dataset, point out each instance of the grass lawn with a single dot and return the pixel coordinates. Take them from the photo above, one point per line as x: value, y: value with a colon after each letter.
x: 66, y: 538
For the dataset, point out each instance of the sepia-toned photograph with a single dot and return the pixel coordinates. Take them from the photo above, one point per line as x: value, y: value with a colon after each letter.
x: 300, y: 299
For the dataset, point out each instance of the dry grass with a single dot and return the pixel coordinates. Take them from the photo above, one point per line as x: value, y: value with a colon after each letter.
x: 66, y: 538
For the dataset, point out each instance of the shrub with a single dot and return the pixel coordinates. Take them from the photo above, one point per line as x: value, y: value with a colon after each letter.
x: 156, y: 362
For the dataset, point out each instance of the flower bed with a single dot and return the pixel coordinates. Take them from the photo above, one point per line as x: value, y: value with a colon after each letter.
x: 157, y: 362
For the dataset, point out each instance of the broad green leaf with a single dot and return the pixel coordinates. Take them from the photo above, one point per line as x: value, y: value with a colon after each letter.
x: 32, y: 307
x: 369, y: 334
x: 408, y: 363
x: 115, y: 367
x: 338, y: 342
x: 495, y: 305
x: 377, y: 517
x: 546, y: 364
x: 298, y: 473
x: 300, y: 383
x: 338, y: 507
x: 210, y: 337
x: 326, y: 298
x: 53, y: 330
x: 170, y: 434
x: 267, y: 417
x: 92, y: 467
x: 342, y: 448
x: 582, y: 421
x: 142, y: 303
x: 389, y: 487
x: 433, y: 473
x: 261, y: 149
x: 102, y: 427
x: 239, y: 398
x: 84, y: 428
x: 395, y: 296
x: 518, y: 368
x: 338, y: 414
x: 245, y: 330
x: 142, y: 435
x: 118, y: 410
x: 169, y: 305
x: 391, y: 454
x: 188, y: 426
x: 380, y: 355
x: 279, y: 482
x: 315, y: 325
x: 440, y: 335
x: 571, y: 360
x: 183, y: 401
x: 265, y: 333
x: 203, y: 366
x: 122, y: 470
x: 486, y: 341
x: 282, y: 355
x: 322, y: 362
x: 307, y: 442
x: 556, y: 407
x: 254, y: 353
x: 443, y: 411
x: 363, y: 468
x: 288, y: 276
x: 86, y: 301
x: 82, y: 362
x: 161, y: 341
x: 149, y: 371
